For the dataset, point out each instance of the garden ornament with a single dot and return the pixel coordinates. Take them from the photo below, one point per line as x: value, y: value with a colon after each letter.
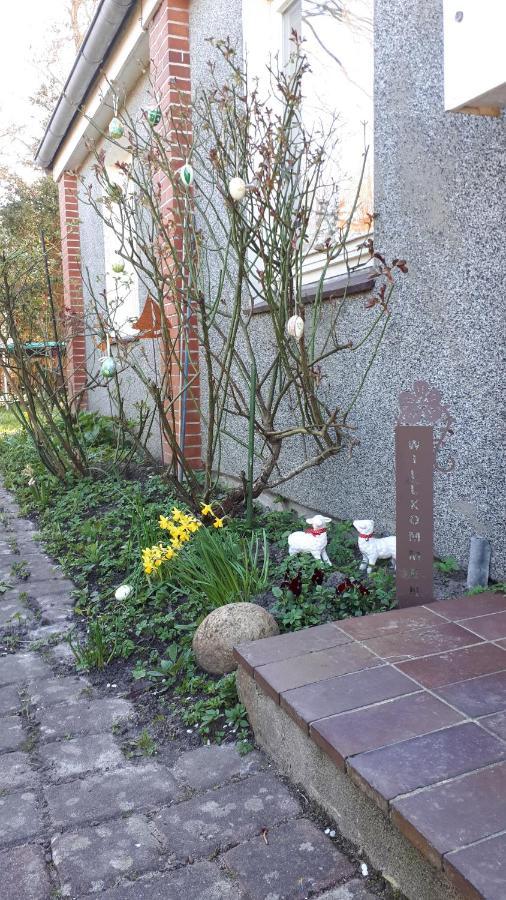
x: 118, y: 267
x: 186, y: 174
x: 237, y: 188
x: 313, y: 540
x: 373, y: 548
x: 154, y: 115
x: 123, y: 592
x: 116, y: 129
x: 295, y: 327
x: 108, y: 367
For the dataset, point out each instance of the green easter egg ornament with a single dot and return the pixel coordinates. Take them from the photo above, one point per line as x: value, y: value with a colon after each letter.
x: 154, y: 115
x: 186, y: 174
x: 116, y: 129
x: 108, y: 367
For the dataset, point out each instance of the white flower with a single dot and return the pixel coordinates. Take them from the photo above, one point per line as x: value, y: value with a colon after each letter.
x: 123, y: 592
x: 364, y: 870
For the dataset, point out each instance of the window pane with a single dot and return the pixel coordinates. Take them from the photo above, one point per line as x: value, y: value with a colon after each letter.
x: 338, y: 99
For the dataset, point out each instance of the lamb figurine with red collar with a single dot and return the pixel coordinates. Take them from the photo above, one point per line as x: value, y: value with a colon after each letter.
x: 313, y: 540
x: 373, y: 548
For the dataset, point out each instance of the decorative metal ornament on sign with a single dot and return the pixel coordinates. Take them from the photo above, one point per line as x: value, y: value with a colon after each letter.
x: 423, y: 424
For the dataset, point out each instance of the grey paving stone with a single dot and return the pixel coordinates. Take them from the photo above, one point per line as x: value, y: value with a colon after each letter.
x: 85, y: 754
x: 111, y: 794
x: 298, y: 859
x: 83, y: 717
x: 20, y: 818
x: 23, y: 874
x: 92, y: 859
x: 57, y: 586
x: 47, y: 632
x: 12, y: 614
x: 62, y: 653
x: 207, y: 767
x: 16, y: 772
x: 225, y: 816
x: 12, y: 735
x: 58, y: 690
x: 353, y: 890
x: 22, y: 667
x: 56, y: 609
x: 202, y: 881
x: 9, y: 700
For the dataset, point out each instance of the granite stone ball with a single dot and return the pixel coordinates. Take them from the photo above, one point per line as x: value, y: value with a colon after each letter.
x: 221, y: 630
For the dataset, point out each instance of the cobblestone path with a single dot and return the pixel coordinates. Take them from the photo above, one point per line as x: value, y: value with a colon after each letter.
x: 78, y: 819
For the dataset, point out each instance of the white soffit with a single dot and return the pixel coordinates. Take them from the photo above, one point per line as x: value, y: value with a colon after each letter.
x: 475, y: 56
x: 127, y: 61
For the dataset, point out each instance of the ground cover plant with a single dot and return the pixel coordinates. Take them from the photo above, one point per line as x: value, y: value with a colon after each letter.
x: 100, y: 529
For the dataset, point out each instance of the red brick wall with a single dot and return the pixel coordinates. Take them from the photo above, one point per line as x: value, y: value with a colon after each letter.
x: 169, y: 45
x: 72, y: 286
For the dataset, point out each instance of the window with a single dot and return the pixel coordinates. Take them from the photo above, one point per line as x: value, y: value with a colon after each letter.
x: 122, y: 285
x: 338, y: 97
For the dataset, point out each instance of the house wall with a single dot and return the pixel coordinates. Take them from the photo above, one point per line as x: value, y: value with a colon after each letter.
x: 438, y: 204
x: 438, y: 190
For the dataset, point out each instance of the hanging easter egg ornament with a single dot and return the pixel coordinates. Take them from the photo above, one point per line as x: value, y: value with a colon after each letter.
x: 295, y: 327
x: 118, y: 267
x: 237, y: 188
x: 186, y: 174
x: 108, y: 367
x: 154, y: 116
x: 123, y: 592
x: 116, y: 129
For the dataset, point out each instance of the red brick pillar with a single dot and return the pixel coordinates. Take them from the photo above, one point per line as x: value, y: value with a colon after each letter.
x: 73, y: 302
x: 169, y: 45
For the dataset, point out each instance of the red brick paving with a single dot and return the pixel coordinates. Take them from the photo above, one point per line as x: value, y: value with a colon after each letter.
x: 423, y: 732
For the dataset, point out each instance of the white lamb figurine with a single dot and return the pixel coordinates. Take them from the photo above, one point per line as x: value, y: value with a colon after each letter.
x: 313, y: 540
x: 373, y: 548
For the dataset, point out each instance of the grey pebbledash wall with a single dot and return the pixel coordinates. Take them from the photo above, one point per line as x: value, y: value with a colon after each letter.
x: 439, y: 200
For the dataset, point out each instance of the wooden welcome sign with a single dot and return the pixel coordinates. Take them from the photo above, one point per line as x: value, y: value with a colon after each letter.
x: 422, y: 426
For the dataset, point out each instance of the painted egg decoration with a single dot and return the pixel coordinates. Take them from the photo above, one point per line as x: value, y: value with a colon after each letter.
x: 237, y: 188
x: 295, y: 327
x: 186, y: 174
x: 108, y: 367
x: 116, y: 129
x: 123, y: 592
x: 154, y: 115
x: 118, y: 268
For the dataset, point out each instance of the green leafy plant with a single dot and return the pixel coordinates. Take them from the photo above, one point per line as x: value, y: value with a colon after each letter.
x: 20, y: 570
x: 448, y: 565
x: 221, y: 566
x: 95, y: 652
x: 498, y: 587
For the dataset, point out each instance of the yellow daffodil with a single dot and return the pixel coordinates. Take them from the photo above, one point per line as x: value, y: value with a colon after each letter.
x: 165, y: 523
x: 177, y: 514
x: 218, y: 523
x: 207, y: 509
